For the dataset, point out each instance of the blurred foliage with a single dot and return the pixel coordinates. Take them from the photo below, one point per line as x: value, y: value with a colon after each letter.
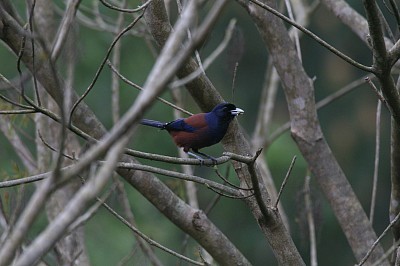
x: 348, y: 124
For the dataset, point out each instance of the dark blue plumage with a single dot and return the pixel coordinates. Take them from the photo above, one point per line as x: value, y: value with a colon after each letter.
x: 199, y: 130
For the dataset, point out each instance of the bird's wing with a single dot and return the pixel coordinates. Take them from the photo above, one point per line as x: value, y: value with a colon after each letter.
x: 198, y: 121
x: 190, y: 124
x: 179, y: 125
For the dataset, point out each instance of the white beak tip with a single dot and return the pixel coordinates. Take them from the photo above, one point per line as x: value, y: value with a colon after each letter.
x: 237, y: 112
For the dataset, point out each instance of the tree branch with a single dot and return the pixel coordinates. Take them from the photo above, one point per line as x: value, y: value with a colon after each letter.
x: 307, y: 133
x: 314, y: 37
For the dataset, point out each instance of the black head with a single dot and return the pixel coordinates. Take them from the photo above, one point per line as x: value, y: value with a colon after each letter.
x: 227, y: 111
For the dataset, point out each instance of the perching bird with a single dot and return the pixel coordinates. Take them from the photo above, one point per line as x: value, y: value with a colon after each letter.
x: 199, y: 130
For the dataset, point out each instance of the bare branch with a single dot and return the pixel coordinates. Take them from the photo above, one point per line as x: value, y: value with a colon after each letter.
x: 125, y: 10
x: 76, y: 205
x: 221, y: 47
x: 187, y: 177
x: 324, y: 102
x: 131, y: 25
x: 20, y: 148
x: 127, y: 81
x: 382, y: 66
x: 307, y: 133
x: 350, y: 17
x: 310, y: 220
x: 127, y: 209
x: 116, y: 60
x: 284, y: 182
x: 64, y: 28
x: 148, y: 239
x: 376, y: 161
x: 391, y: 224
x: 313, y: 36
x: 24, y: 221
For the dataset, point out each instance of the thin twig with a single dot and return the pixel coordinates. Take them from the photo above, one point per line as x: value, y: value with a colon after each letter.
x: 209, y: 60
x: 199, y: 180
x: 101, y: 26
x: 10, y: 132
x: 148, y: 239
x: 77, y: 205
x: 376, y: 162
x: 217, y: 197
x: 127, y: 81
x: 379, y: 239
x: 310, y: 219
x: 324, y: 102
x: 133, y: 23
x: 116, y: 61
x: 387, y: 254
x: 64, y: 28
x: 125, y: 10
x: 227, y: 195
x: 175, y: 160
x: 19, y: 69
x: 35, y: 84
x: 11, y: 101
x: 4, y: 98
x: 376, y: 90
x: 266, y: 106
x: 228, y: 182
x: 295, y: 33
x: 127, y: 210
x: 17, y: 112
x: 343, y: 91
x: 285, y: 181
x: 25, y: 220
x: 52, y: 148
x: 92, y: 210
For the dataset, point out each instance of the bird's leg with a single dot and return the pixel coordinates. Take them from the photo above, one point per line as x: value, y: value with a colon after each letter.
x: 198, y: 154
x: 198, y: 157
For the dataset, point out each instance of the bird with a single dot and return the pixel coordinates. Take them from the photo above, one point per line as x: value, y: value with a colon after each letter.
x: 199, y: 130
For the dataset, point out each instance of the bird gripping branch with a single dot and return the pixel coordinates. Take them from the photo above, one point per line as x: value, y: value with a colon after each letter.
x: 199, y: 130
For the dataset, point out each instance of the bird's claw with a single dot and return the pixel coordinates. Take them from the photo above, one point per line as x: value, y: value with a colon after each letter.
x: 198, y: 156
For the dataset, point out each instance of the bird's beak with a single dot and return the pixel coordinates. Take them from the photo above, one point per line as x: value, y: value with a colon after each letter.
x: 237, y: 112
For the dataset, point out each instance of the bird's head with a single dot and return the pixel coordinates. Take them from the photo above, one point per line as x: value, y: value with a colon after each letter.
x: 227, y: 111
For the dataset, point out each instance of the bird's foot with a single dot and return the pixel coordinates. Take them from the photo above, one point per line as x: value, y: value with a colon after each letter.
x: 198, y: 155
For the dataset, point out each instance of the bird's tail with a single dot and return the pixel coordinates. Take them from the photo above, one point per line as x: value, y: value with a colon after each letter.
x: 153, y: 123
